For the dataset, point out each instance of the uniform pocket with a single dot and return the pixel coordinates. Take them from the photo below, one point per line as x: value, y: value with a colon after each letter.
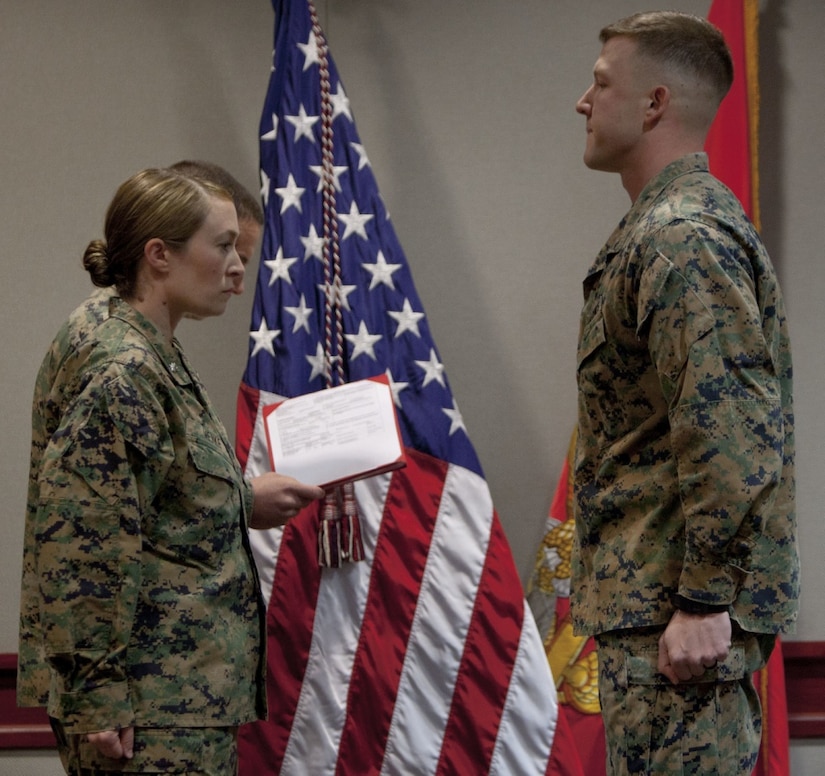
x: 211, y: 460
x: 177, y: 750
x: 592, y: 338
x: 693, y: 728
x: 642, y: 669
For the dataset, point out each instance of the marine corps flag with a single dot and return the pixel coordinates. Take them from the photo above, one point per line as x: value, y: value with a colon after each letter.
x: 732, y: 147
x: 572, y: 659
x: 421, y: 657
x: 732, y: 143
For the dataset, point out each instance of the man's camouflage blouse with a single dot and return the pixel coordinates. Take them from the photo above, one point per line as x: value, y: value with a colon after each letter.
x: 684, y: 472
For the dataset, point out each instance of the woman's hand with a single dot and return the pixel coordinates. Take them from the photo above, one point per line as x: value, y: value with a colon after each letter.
x: 279, y: 498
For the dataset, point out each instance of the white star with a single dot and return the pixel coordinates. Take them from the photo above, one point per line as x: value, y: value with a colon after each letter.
x: 433, y: 370
x: 381, y: 271
x: 273, y: 133
x: 396, y: 388
x: 301, y: 314
x: 280, y: 267
x: 263, y: 338
x: 363, y: 342
x: 303, y: 124
x: 318, y: 362
x: 340, y: 103
x: 290, y: 194
x: 336, y: 175
x: 363, y: 161
x: 313, y: 244
x: 355, y: 221
x: 265, y: 187
x: 407, y: 319
x: 456, y: 421
x: 310, y: 49
x: 342, y: 295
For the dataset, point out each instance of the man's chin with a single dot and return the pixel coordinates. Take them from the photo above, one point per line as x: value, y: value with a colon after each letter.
x: 591, y: 160
x: 596, y: 163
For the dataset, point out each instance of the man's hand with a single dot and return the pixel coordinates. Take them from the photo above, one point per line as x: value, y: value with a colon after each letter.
x: 692, y: 643
x: 279, y: 498
x: 115, y: 744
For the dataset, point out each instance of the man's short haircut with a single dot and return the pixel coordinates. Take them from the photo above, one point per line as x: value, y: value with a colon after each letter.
x: 246, y: 205
x: 690, y: 43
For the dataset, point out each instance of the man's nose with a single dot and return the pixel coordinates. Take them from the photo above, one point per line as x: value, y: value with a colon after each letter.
x: 583, y: 104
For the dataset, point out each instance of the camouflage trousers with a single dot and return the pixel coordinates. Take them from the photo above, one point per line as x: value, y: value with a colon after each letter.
x: 191, y: 751
x: 710, y: 726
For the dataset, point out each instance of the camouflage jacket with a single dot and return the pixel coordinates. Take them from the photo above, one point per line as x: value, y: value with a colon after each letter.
x: 684, y: 474
x: 140, y: 602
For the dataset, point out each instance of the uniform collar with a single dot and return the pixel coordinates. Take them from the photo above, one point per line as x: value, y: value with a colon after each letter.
x: 169, y: 353
x: 616, y: 243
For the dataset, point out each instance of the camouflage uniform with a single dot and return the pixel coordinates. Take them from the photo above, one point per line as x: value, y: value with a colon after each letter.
x: 68, y: 352
x: 684, y: 464
x: 708, y: 726
x: 140, y: 603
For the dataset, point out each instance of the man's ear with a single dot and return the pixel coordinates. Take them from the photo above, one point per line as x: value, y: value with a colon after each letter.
x: 156, y: 255
x: 659, y: 99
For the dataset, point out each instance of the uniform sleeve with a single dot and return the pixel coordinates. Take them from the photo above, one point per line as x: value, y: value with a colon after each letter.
x: 719, y: 379
x: 88, y: 534
x: 247, y: 501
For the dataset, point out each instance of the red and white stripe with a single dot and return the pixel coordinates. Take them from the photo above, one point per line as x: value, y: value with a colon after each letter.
x: 422, y: 659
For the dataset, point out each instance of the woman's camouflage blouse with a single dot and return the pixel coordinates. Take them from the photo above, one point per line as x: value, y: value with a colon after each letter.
x: 139, y: 586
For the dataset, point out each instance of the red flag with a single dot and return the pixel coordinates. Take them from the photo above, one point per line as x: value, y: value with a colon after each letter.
x: 423, y: 657
x: 732, y: 144
x: 572, y: 658
x: 733, y: 153
x: 774, y: 754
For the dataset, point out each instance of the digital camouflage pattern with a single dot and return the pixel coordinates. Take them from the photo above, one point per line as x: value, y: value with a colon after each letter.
x: 684, y: 464
x: 708, y: 725
x: 67, y: 354
x: 192, y: 751
x: 138, y: 583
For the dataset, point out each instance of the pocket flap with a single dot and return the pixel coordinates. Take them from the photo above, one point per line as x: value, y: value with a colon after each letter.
x: 643, y: 668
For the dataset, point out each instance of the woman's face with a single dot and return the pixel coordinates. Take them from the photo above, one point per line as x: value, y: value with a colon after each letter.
x: 207, y: 270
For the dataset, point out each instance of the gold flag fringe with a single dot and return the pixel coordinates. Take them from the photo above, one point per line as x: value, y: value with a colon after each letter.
x: 751, y: 14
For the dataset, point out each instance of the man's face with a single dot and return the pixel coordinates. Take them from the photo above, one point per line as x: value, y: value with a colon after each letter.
x: 614, y: 106
x: 250, y: 232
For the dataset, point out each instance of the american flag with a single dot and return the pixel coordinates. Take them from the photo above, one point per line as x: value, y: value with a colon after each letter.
x: 422, y: 658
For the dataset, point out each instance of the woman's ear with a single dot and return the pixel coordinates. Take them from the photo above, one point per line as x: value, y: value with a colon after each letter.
x: 156, y: 255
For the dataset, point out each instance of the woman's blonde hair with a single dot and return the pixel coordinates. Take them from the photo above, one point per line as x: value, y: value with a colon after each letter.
x: 154, y: 203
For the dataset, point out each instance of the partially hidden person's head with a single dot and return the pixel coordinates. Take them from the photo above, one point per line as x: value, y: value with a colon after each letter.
x: 686, y: 52
x: 155, y: 203
x: 250, y: 213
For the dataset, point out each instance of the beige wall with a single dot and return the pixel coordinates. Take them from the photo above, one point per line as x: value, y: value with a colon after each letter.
x: 466, y: 111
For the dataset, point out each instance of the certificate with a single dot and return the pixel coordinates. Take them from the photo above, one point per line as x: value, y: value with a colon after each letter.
x: 335, y: 435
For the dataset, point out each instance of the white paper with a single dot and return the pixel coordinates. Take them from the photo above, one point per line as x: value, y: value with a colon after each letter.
x: 334, y: 435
